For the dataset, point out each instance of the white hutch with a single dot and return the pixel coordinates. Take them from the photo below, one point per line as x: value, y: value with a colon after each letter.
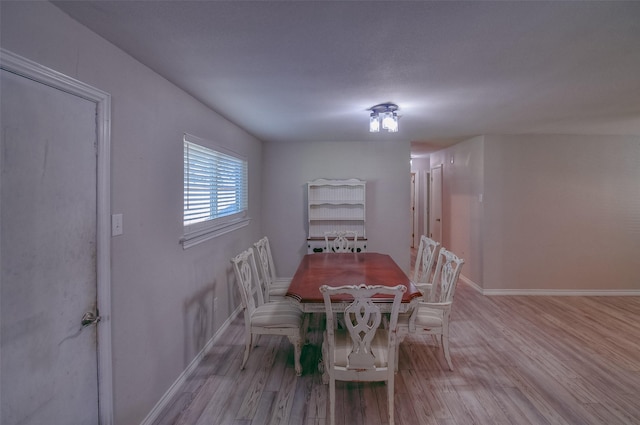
x: 335, y: 205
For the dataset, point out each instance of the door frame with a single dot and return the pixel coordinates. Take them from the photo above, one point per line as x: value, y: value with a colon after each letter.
x: 427, y: 202
x: 415, y: 228
x: 438, y: 169
x: 19, y: 65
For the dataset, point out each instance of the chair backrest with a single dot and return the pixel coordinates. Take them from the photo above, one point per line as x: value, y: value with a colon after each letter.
x: 266, y: 261
x: 362, y: 318
x: 244, y: 265
x: 427, y: 253
x: 446, y: 276
x: 340, y: 241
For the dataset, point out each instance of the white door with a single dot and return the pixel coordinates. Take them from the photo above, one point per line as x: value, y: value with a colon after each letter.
x: 48, y: 205
x: 435, y: 204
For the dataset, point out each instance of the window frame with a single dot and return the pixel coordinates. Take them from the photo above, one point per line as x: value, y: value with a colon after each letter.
x: 195, y: 233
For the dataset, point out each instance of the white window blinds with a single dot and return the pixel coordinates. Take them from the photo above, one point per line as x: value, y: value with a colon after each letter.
x: 215, y: 186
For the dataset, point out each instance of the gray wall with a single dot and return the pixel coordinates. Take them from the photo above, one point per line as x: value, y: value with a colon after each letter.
x: 558, y: 212
x: 287, y: 167
x: 157, y: 287
x: 562, y: 212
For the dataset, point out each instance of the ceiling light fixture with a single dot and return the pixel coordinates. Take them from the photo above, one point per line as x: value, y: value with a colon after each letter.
x: 383, y: 115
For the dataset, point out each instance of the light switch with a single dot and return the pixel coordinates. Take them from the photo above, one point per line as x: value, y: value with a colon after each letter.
x: 116, y: 224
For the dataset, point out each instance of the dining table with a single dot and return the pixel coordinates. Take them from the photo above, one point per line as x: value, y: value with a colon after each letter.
x: 338, y: 269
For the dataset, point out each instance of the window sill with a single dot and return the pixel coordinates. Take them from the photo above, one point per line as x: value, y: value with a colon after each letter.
x: 199, y: 236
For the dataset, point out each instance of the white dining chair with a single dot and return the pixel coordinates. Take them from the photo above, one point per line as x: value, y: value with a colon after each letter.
x: 362, y: 350
x: 341, y: 241
x: 260, y: 318
x: 432, y: 317
x: 274, y: 287
x: 423, y: 269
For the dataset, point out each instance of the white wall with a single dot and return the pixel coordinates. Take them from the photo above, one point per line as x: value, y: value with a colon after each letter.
x: 157, y: 287
x: 562, y: 212
x: 558, y: 212
x: 287, y: 167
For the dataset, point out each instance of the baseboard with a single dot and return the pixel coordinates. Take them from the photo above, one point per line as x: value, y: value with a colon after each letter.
x: 564, y: 292
x: 177, y: 385
x: 470, y: 283
x: 553, y: 292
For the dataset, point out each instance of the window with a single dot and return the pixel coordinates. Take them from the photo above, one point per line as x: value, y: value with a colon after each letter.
x: 215, y: 191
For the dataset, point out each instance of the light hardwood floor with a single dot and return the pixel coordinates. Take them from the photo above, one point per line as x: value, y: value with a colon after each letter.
x: 518, y: 360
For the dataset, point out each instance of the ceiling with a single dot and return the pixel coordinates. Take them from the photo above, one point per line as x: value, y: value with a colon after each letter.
x: 308, y: 70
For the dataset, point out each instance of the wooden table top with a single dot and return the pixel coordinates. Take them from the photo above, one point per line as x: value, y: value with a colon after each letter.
x: 334, y: 269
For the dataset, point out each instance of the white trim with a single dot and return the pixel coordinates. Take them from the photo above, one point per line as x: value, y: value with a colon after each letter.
x: 34, y: 71
x: 199, y: 236
x: 182, y: 379
x: 329, y: 182
x: 416, y: 209
x: 216, y: 159
x: 564, y: 292
x: 426, y: 178
x: 470, y: 283
x: 553, y: 292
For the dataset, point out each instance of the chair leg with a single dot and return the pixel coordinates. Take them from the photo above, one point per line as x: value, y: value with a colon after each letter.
x: 324, y: 365
x: 445, y: 346
x: 248, y: 343
x: 390, y: 398
x: 401, y: 337
x: 332, y: 400
x: 306, y: 328
x: 297, y: 349
x: 395, y: 367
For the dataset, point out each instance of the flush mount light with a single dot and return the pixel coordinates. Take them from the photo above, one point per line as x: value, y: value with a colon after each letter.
x: 383, y: 115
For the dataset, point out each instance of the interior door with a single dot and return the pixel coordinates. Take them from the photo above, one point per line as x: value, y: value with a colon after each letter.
x: 435, y: 204
x: 48, y: 254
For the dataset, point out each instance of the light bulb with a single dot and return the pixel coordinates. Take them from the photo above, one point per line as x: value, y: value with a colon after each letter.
x: 390, y: 122
x: 374, y: 123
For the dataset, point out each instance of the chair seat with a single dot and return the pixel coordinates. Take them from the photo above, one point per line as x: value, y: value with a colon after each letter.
x: 425, y: 318
x: 379, y: 347
x: 277, y: 293
x: 279, y: 314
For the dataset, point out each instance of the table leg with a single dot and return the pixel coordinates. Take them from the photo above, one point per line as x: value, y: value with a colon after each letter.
x: 305, y: 328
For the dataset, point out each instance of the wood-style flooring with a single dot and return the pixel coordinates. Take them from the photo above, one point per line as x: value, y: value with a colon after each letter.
x: 517, y: 360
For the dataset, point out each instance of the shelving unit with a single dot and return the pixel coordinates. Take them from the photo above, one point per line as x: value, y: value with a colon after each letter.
x: 336, y: 205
